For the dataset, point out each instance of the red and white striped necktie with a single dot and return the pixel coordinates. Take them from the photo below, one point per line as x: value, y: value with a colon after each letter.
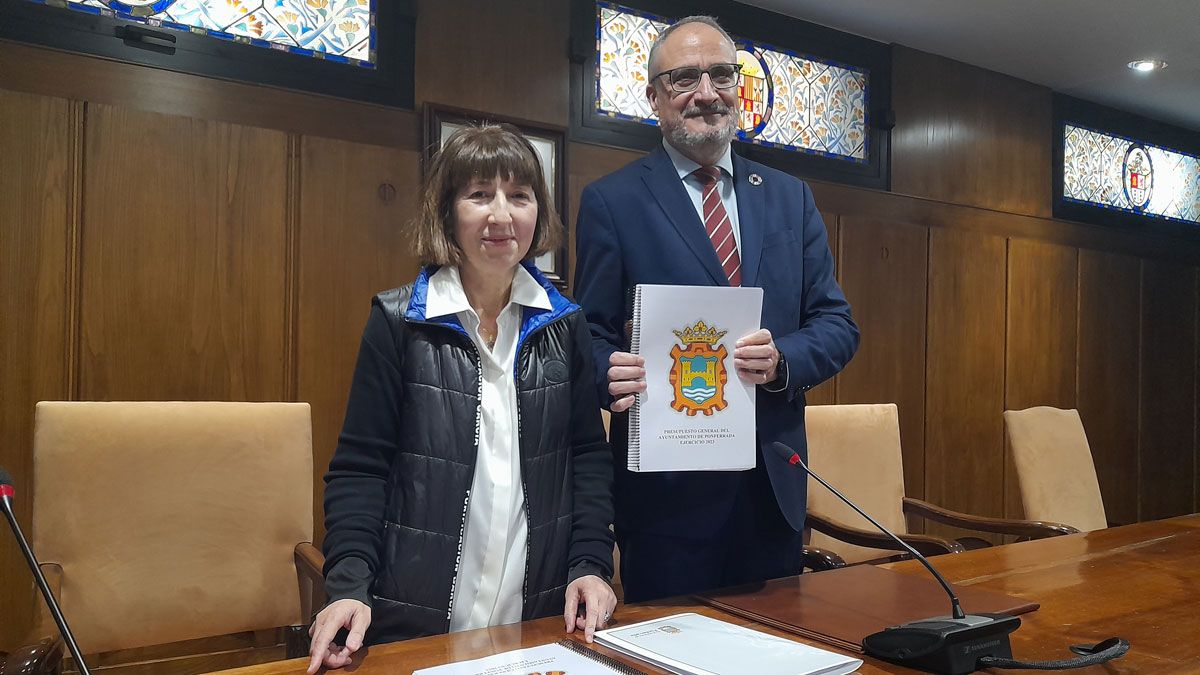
x: 716, y: 223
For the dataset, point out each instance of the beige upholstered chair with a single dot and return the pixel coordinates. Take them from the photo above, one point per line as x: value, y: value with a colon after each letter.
x: 1056, y: 476
x: 856, y: 448
x: 165, y: 522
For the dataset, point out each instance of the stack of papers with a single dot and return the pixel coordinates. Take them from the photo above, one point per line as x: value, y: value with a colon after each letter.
x: 693, y: 644
x: 567, y: 657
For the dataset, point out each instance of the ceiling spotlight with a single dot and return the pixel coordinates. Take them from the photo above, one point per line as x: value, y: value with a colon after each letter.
x: 1147, y: 65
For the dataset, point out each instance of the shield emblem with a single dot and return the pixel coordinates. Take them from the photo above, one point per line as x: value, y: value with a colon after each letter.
x: 698, y: 373
x: 755, y: 92
x: 1137, y: 176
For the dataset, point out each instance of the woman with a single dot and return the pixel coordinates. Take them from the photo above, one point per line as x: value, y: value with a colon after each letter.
x: 471, y: 485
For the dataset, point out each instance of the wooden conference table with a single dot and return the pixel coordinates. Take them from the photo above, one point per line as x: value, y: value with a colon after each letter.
x: 1140, y: 582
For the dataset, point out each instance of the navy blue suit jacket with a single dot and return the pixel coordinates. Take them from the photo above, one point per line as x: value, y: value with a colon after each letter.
x: 638, y: 226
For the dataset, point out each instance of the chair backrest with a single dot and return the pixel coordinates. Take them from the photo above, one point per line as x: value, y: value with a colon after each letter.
x: 1054, y: 470
x: 856, y: 448
x: 172, y: 521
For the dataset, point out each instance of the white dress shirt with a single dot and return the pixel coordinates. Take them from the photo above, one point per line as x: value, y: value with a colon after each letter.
x: 491, y: 573
x: 695, y: 190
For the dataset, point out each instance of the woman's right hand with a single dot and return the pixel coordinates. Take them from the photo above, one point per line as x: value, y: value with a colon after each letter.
x: 350, y: 614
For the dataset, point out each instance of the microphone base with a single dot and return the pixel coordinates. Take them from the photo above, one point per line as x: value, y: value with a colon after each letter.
x: 944, y: 645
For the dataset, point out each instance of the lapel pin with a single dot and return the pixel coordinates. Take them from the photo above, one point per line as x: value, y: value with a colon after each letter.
x: 755, y: 179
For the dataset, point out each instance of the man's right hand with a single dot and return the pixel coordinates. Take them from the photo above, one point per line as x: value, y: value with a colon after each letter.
x: 351, y: 614
x: 626, y: 377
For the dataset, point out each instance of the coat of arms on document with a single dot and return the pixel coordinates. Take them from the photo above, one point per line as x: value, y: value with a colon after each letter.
x: 698, y: 372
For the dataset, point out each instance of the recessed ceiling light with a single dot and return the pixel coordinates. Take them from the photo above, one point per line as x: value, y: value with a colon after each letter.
x: 1147, y: 65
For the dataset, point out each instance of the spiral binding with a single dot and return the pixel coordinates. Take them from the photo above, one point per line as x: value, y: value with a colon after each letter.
x: 633, y: 463
x: 603, y: 659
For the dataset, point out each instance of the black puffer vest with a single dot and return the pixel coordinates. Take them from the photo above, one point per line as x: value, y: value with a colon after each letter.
x: 566, y: 467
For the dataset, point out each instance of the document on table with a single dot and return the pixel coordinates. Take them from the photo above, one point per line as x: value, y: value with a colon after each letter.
x: 565, y: 656
x: 693, y: 644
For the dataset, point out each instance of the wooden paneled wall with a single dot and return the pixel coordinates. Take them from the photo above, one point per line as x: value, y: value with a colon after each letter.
x: 38, y: 198
x: 966, y: 135
x: 884, y: 270
x: 349, y: 247
x: 169, y: 236
x: 959, y: 326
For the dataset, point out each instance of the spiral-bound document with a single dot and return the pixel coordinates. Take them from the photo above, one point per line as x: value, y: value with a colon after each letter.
x: 696, y: 413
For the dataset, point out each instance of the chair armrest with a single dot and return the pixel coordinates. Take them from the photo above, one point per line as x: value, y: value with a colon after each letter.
x: 819, y: 560
x: 43, y: 658
x: 1034, y: 529
x: 310, y: 561
x: 925, y: 543
x: 311, y: 576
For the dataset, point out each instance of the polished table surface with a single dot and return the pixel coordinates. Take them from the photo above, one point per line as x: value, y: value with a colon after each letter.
x: 1140, y: 582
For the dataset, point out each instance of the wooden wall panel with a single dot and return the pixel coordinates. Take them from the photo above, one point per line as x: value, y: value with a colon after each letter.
x: 354, y: 199
x: 507, y: 58
x: 964, y: 393
x: 1040, y: 337
x: 826, y: 392
x: 587, y: 163
x: 969, y: 136
x: 1168, y: 386
x: 184, y: 248
x: 884, y: 271
x: 37, y: 147
x: 96, y: 80
x: 1107, y: 388
x: 1041, y: 325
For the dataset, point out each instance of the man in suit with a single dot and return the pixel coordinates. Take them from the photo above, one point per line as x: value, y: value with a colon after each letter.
x: 694, y: 213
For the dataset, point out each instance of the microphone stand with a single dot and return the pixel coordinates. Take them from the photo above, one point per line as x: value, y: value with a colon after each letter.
x: 955, y: 607
x: 950, y: 645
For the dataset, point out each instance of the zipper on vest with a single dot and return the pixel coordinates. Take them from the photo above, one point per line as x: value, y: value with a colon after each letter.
x: 462, y: 527
x: 524, y: 507
x: 524, y: 482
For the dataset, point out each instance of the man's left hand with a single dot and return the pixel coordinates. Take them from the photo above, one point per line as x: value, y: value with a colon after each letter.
x: 755, y: 357
x: 590, y: 604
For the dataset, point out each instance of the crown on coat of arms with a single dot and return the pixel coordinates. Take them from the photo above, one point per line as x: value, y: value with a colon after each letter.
x: 700, y: 332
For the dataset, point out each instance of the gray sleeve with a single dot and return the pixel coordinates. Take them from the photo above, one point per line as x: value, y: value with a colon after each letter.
x: 350, y: 579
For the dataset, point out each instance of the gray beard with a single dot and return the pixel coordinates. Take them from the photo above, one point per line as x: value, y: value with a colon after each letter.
x: 680, y: 137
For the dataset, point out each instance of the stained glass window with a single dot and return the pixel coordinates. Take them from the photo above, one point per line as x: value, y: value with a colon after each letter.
x: 786, y: 100
x: 1119, y: 173
x: 334, y: 30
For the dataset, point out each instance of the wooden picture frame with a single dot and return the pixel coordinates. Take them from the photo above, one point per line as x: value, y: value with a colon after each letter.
x: 548, y: 141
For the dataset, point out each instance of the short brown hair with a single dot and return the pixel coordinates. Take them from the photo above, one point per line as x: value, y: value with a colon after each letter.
x: 479, y: 151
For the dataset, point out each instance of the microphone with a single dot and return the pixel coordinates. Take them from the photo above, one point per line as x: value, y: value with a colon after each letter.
x: 7, y: 492
x: 949, y: 645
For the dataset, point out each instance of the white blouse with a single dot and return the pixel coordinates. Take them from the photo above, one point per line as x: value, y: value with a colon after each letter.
x: 491, y: 572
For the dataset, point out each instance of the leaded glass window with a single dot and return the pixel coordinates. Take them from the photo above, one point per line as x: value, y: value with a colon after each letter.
x: 334, y: 30
x: 787, y: 100
x: 1118, y: 173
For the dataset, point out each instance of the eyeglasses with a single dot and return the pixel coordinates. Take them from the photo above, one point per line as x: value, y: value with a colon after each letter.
x: 683, y: 80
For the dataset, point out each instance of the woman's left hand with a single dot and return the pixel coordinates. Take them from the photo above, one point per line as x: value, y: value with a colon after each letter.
x: 596, y: 598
